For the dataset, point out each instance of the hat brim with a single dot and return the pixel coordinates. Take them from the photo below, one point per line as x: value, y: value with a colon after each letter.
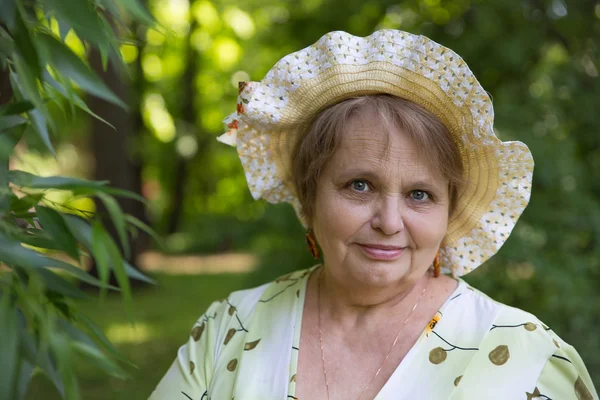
x: 497, y: 174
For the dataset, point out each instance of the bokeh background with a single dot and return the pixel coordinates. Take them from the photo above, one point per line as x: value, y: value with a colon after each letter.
x: 538, y: 59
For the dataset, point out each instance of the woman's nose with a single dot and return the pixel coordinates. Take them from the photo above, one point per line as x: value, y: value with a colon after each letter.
x: 388, y: 215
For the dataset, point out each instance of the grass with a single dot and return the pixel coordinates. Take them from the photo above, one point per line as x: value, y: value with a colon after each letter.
x: 163, y: 317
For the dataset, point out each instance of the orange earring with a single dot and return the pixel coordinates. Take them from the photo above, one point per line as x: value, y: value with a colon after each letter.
x: 436, y: 265
x: 312, y: 244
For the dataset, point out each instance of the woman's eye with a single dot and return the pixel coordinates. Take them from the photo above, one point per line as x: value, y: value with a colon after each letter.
x: 419, y: 195
x: 359, y: 185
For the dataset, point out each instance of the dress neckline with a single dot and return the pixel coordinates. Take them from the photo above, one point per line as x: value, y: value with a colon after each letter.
x: 299, y: 310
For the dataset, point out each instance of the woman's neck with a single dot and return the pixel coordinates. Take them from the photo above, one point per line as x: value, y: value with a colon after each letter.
x: 349, y: 308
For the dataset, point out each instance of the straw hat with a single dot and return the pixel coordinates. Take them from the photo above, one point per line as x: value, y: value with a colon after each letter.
x: 272, y: 114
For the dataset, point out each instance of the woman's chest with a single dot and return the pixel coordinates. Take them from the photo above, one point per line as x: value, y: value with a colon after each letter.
x: 357, y: 366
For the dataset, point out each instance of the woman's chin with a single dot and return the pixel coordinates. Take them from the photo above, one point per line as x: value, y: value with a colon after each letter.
x: 381, y: 274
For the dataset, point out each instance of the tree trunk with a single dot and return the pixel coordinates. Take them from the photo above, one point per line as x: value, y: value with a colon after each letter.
x: 188, y: 115
x: 113, y: 149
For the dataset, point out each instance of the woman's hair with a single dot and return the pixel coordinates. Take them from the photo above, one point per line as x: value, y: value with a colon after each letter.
x: 324, y: 134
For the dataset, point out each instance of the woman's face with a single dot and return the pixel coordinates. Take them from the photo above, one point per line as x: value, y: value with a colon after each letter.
x: 380, y: 213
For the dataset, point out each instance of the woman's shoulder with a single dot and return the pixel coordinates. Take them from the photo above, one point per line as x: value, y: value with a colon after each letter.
x: 241, y: 304
x: 503, y: 316
x: 516, y: 346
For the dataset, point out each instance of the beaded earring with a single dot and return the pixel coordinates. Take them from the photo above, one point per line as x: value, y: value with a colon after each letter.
x: 312, y: 244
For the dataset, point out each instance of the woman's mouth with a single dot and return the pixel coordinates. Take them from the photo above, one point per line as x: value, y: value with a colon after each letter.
x: 381, y: 252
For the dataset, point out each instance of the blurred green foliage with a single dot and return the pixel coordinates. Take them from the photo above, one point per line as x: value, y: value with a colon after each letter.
x: 539, y: 60
x: 45, y: 244
x: 153, y: 341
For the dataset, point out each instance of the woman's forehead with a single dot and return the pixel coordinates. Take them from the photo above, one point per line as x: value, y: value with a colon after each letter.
x: 382, y: 151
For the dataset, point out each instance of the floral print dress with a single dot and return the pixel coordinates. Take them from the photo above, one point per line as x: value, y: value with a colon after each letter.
x: 246, y: 348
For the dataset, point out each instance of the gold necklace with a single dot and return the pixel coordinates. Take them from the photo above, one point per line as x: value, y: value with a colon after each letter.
x: 387, y: 355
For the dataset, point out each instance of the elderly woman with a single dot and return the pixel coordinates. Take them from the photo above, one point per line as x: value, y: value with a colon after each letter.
x: 385, y: 147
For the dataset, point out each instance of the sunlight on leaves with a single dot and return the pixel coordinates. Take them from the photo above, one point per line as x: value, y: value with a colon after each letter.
x: 226, y: 52
x: 207, y: 16
x: 121, y: 333
x: 158, y: 118
x: 154, y: 37
x: 201, y: 40
x: 187, y: 146
x: 152, y: 67
x: 129, y: 53
x: 239, y: 76
x: 241, y: 23
x: 311, y: 5
x: 75, y: 44
x: 172, y: 13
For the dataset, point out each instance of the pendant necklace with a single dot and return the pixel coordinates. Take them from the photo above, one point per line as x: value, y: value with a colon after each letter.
x: 387, y: 355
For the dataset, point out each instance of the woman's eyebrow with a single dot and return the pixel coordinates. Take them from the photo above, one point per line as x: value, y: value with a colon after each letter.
x: 358, y: 173
x: 368, y: 173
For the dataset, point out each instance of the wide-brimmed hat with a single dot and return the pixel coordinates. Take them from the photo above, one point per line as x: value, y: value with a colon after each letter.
x: 272, y: 114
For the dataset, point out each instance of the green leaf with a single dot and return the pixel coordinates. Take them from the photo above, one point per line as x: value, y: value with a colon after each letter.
x: 112, y: 191
x: 54, y: 282
x: 4, y: 175
x: 138, y: 12
x: 41, y: 128
x: 26, y: 84
x: 118, y: 220
x: 9, y: 345
x: 139, y: 224
x: 10, y: 121
x: 63, y: 29
x: 25, y: 179
x: 90, y: 349
x: 24, y: 45
x: 83, y: 232
x: 12, y: 253
x: 81, y: 229
x: 70, y: 65
x: 41, y: 358
x: 119, y: 270
x: 136, y: 274
x: 100, y: 255
x: 55, y: 226
x: 24, y: 378
x: 98, y: 358
x: 124, y: 193
x: 25, y: 203
x: 6, y: 198
x: 37, y: 238
x: 101, y: 338
x: 82, y: 17
x: 16, y: 108
x: 8, y: 11
x: 62, y: 351
x: 7, y: 46
x: 72, y: 96
x: 8, y: 141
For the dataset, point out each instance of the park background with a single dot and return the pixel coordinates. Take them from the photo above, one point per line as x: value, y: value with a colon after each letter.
x: 538, y: 59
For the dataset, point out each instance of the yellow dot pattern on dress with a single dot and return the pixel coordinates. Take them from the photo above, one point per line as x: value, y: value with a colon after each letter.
x: 229, y: 335
x: 232, y: 365
x: 437, y: 355
x: 251, y: 345
x: 457, y: 380
x: 197, y: 332
x: 500, y: 355
x: 581, y: 391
